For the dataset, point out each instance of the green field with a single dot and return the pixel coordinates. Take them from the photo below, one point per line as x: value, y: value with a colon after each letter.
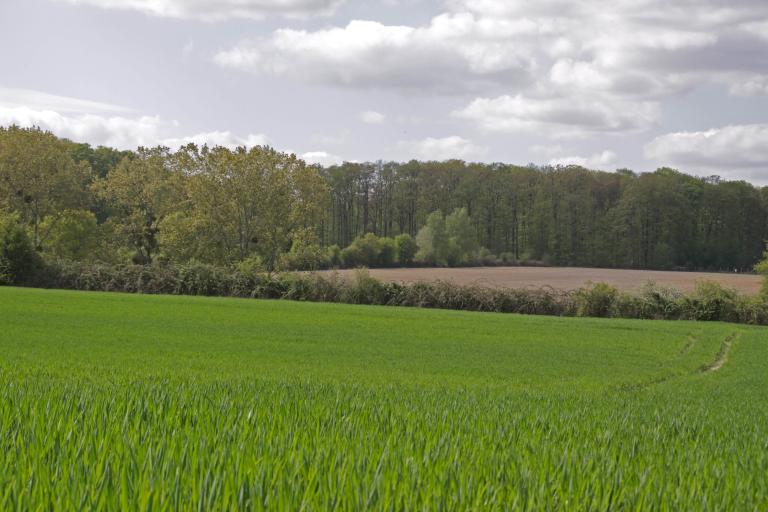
x: 132, y: 402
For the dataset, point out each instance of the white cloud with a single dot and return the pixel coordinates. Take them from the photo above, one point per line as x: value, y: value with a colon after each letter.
x: 217, y: 138
x: 734, y: 150
x: 600, y: 160
x: 450, y: 54
x: 322, y: 158
x: 87, y: 121
x: 372, y: 117
x: 217, y: 10
x: 445, y: 148
x: 575, y: 68
x: 39, y: 100
x: 115, y: 131
x: 560, y: 117
x: 636, y: 47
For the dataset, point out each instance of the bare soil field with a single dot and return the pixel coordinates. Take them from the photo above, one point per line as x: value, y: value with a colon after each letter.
x: 562, y: 278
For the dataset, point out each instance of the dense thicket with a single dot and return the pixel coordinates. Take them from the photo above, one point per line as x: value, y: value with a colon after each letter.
x: 264, y: 209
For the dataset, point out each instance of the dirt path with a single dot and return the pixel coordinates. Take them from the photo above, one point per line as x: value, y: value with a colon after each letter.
x: 564, y: 278
x: 722, y: 355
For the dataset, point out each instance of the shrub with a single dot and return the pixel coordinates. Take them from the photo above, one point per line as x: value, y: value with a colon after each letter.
x: 659, y: 302
x: 596, y: 300
x: 252, y: 265
x: 364, y: 289
x: 387, y: 252
x: 486, y: 257
x: 334, y: 256
x: 508, y: 258
x: 762, y: 268
x: 19, y: 262
x: 710, y: 301
x: 304, y: 257
x: 752, y: 310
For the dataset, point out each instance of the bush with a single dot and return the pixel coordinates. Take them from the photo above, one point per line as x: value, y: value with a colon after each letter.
x: 364, y: 289
x: 387, y: 252
x: 486, y: 257
x: 19, y: 262
x: 710, y: 301
x: 762, y: 268
x: 334, y: 256
x: 305, y: 257
x: 659, y: 302
x: 596, y: 300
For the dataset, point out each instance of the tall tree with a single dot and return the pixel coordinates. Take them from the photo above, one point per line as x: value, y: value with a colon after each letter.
x: 39, y: 177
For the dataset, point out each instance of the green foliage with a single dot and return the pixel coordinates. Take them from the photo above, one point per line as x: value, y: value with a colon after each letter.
x: 335, y: 256
x: 406, y: 249
x: 565, y: 216
x: 189, y: 403
x: 145, y: 190
x: 710, y: 301
x: 447, y: 240
x: 251, y: 266
x: 71, y: 234
x: 762, y: 268
x: 39, y: 178
x: 596, y: 300
x: 19, y: 262
x: 462, y: 242
x: 432, y: 241
x: 305, y: 254
x: 220, y: 206
x: 370, y: 251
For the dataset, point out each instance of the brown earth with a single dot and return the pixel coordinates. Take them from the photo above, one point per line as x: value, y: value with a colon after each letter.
x: 563, y: 278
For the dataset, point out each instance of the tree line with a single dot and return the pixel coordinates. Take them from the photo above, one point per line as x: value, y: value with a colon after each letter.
x: 263, y: 208
x: 561, y: 216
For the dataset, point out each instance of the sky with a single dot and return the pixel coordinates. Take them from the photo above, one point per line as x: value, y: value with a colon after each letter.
x: 606, y: 84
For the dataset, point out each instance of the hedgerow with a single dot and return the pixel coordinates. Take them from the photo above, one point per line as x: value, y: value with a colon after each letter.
x: 709, y: 301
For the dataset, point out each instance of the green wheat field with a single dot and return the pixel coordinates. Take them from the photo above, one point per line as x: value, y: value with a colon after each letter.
x: 129, y: 402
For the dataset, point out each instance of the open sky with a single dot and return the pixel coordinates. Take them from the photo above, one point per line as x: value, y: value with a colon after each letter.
x: 602, y: 83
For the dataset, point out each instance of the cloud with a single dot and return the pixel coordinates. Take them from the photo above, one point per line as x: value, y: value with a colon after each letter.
x: 115, y: 131
x: 218, y: 10
x: 733, y: 151
x: 754, y: 85
x: 451, y: 54
x: 600, y: 160
x: 560, y: 117
x: 217, y: 138
x: 322, y: 158
x: 562, y: 67
x: 634, y: 47
x: 372, y: 117
x: 96, y: 123
x: 10, y: 97
x: 445, y: 148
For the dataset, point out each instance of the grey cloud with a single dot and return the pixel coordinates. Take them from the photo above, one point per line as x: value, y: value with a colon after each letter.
x: 733, y: 150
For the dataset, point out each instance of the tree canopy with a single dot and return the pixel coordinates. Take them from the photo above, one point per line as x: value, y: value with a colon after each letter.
x: 268, y: 208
